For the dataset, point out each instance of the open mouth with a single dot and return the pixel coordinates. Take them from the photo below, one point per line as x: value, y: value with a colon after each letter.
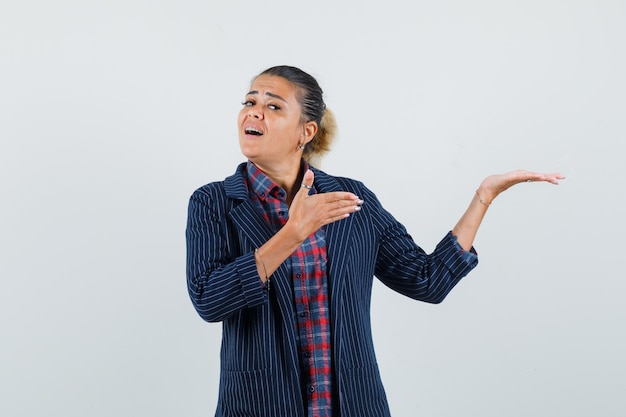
x: 253, y: 131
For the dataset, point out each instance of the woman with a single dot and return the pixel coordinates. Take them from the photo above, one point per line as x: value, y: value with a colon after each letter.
x: 284, y: 256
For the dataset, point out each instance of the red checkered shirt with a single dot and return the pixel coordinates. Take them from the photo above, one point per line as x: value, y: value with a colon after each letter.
x: 310, y: 289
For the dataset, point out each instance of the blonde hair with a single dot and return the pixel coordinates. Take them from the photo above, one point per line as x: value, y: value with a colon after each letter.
x: 320, y: 144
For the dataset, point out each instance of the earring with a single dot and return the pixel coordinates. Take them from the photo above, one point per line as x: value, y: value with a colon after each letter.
x: 301, y: 147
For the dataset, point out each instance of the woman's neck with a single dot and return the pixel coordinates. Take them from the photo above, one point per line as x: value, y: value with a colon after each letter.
x: 288, y: 178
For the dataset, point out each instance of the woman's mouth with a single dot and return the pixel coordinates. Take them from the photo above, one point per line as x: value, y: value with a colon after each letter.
x: 252, y: 131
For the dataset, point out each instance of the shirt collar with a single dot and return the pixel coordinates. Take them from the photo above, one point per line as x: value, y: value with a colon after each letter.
x: 261, y: 186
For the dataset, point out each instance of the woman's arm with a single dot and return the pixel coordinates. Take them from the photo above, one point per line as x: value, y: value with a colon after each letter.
x: 467, y: 226
x: 220, y: 280
x: 307, y: 214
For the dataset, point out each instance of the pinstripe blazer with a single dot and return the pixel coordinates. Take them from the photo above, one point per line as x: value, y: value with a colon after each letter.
x: 259, y: 360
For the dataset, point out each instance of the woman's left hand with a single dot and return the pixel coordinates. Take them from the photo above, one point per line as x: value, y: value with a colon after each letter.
x: 493, y: 185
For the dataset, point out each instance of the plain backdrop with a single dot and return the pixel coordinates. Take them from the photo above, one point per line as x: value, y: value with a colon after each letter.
x: 112, y: 112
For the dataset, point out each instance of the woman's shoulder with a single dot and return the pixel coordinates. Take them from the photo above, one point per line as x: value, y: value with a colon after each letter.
x: 328, y: 182
x: 214, y: 187
x: 231, y: 185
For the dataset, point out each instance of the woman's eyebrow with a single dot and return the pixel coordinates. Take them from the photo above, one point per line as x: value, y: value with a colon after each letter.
x: 255, y: 92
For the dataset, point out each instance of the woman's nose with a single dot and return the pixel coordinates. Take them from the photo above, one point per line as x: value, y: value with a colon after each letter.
x: 255, y: 111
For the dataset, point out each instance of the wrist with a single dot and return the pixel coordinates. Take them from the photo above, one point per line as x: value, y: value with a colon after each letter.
x: 294, y: 233
x: 484, y: 197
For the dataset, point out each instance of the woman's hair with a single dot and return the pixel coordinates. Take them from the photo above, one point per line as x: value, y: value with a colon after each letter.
x: 309, y: 94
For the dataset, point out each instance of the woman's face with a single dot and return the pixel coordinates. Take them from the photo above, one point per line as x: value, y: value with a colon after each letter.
x: 270, y: 126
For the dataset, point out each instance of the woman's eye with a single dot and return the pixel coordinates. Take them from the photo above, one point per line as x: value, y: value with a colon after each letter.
x: 250, y: 103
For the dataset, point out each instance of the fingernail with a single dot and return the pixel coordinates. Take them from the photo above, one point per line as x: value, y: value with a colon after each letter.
x: 359, y: 202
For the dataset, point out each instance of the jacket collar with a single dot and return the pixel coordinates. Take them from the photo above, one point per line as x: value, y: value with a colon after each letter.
x: 236, y: 188
x: 235, y: 185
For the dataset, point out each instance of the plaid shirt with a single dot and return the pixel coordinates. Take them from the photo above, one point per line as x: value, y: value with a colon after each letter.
x: 310, y: 289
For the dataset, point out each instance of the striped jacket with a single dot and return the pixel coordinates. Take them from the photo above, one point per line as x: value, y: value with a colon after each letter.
x: 259, y: 362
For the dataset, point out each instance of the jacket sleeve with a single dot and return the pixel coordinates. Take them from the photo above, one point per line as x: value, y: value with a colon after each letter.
x: 403, y: 266
x: 220, y: 280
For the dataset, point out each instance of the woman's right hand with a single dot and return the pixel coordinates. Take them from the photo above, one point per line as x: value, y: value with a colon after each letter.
x: 308, y: 213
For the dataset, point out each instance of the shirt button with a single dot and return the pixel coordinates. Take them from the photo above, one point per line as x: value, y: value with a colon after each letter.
x: 298, y: 275
x: 312, y: 388
x: 303, y: 314
x: 307, y: 354
x: 281, y: 213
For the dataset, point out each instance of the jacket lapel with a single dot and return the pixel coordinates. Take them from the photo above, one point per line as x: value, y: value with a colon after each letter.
x: 339, y: 241
x: 252, y: 225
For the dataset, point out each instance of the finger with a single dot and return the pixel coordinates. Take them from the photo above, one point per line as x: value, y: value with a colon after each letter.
x: 554, y: 178
x: 551, y: 178
x: 338, y: 196
x: 348, y: 205
x: 342, y: 209
x: 307, y: 180
x: 558, y: 176
x: 333, y: 219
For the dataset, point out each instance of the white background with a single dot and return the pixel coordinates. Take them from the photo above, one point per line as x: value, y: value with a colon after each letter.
x: 113, y: 112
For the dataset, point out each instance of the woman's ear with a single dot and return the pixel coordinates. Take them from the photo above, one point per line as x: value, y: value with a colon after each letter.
x: 310, y: 129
